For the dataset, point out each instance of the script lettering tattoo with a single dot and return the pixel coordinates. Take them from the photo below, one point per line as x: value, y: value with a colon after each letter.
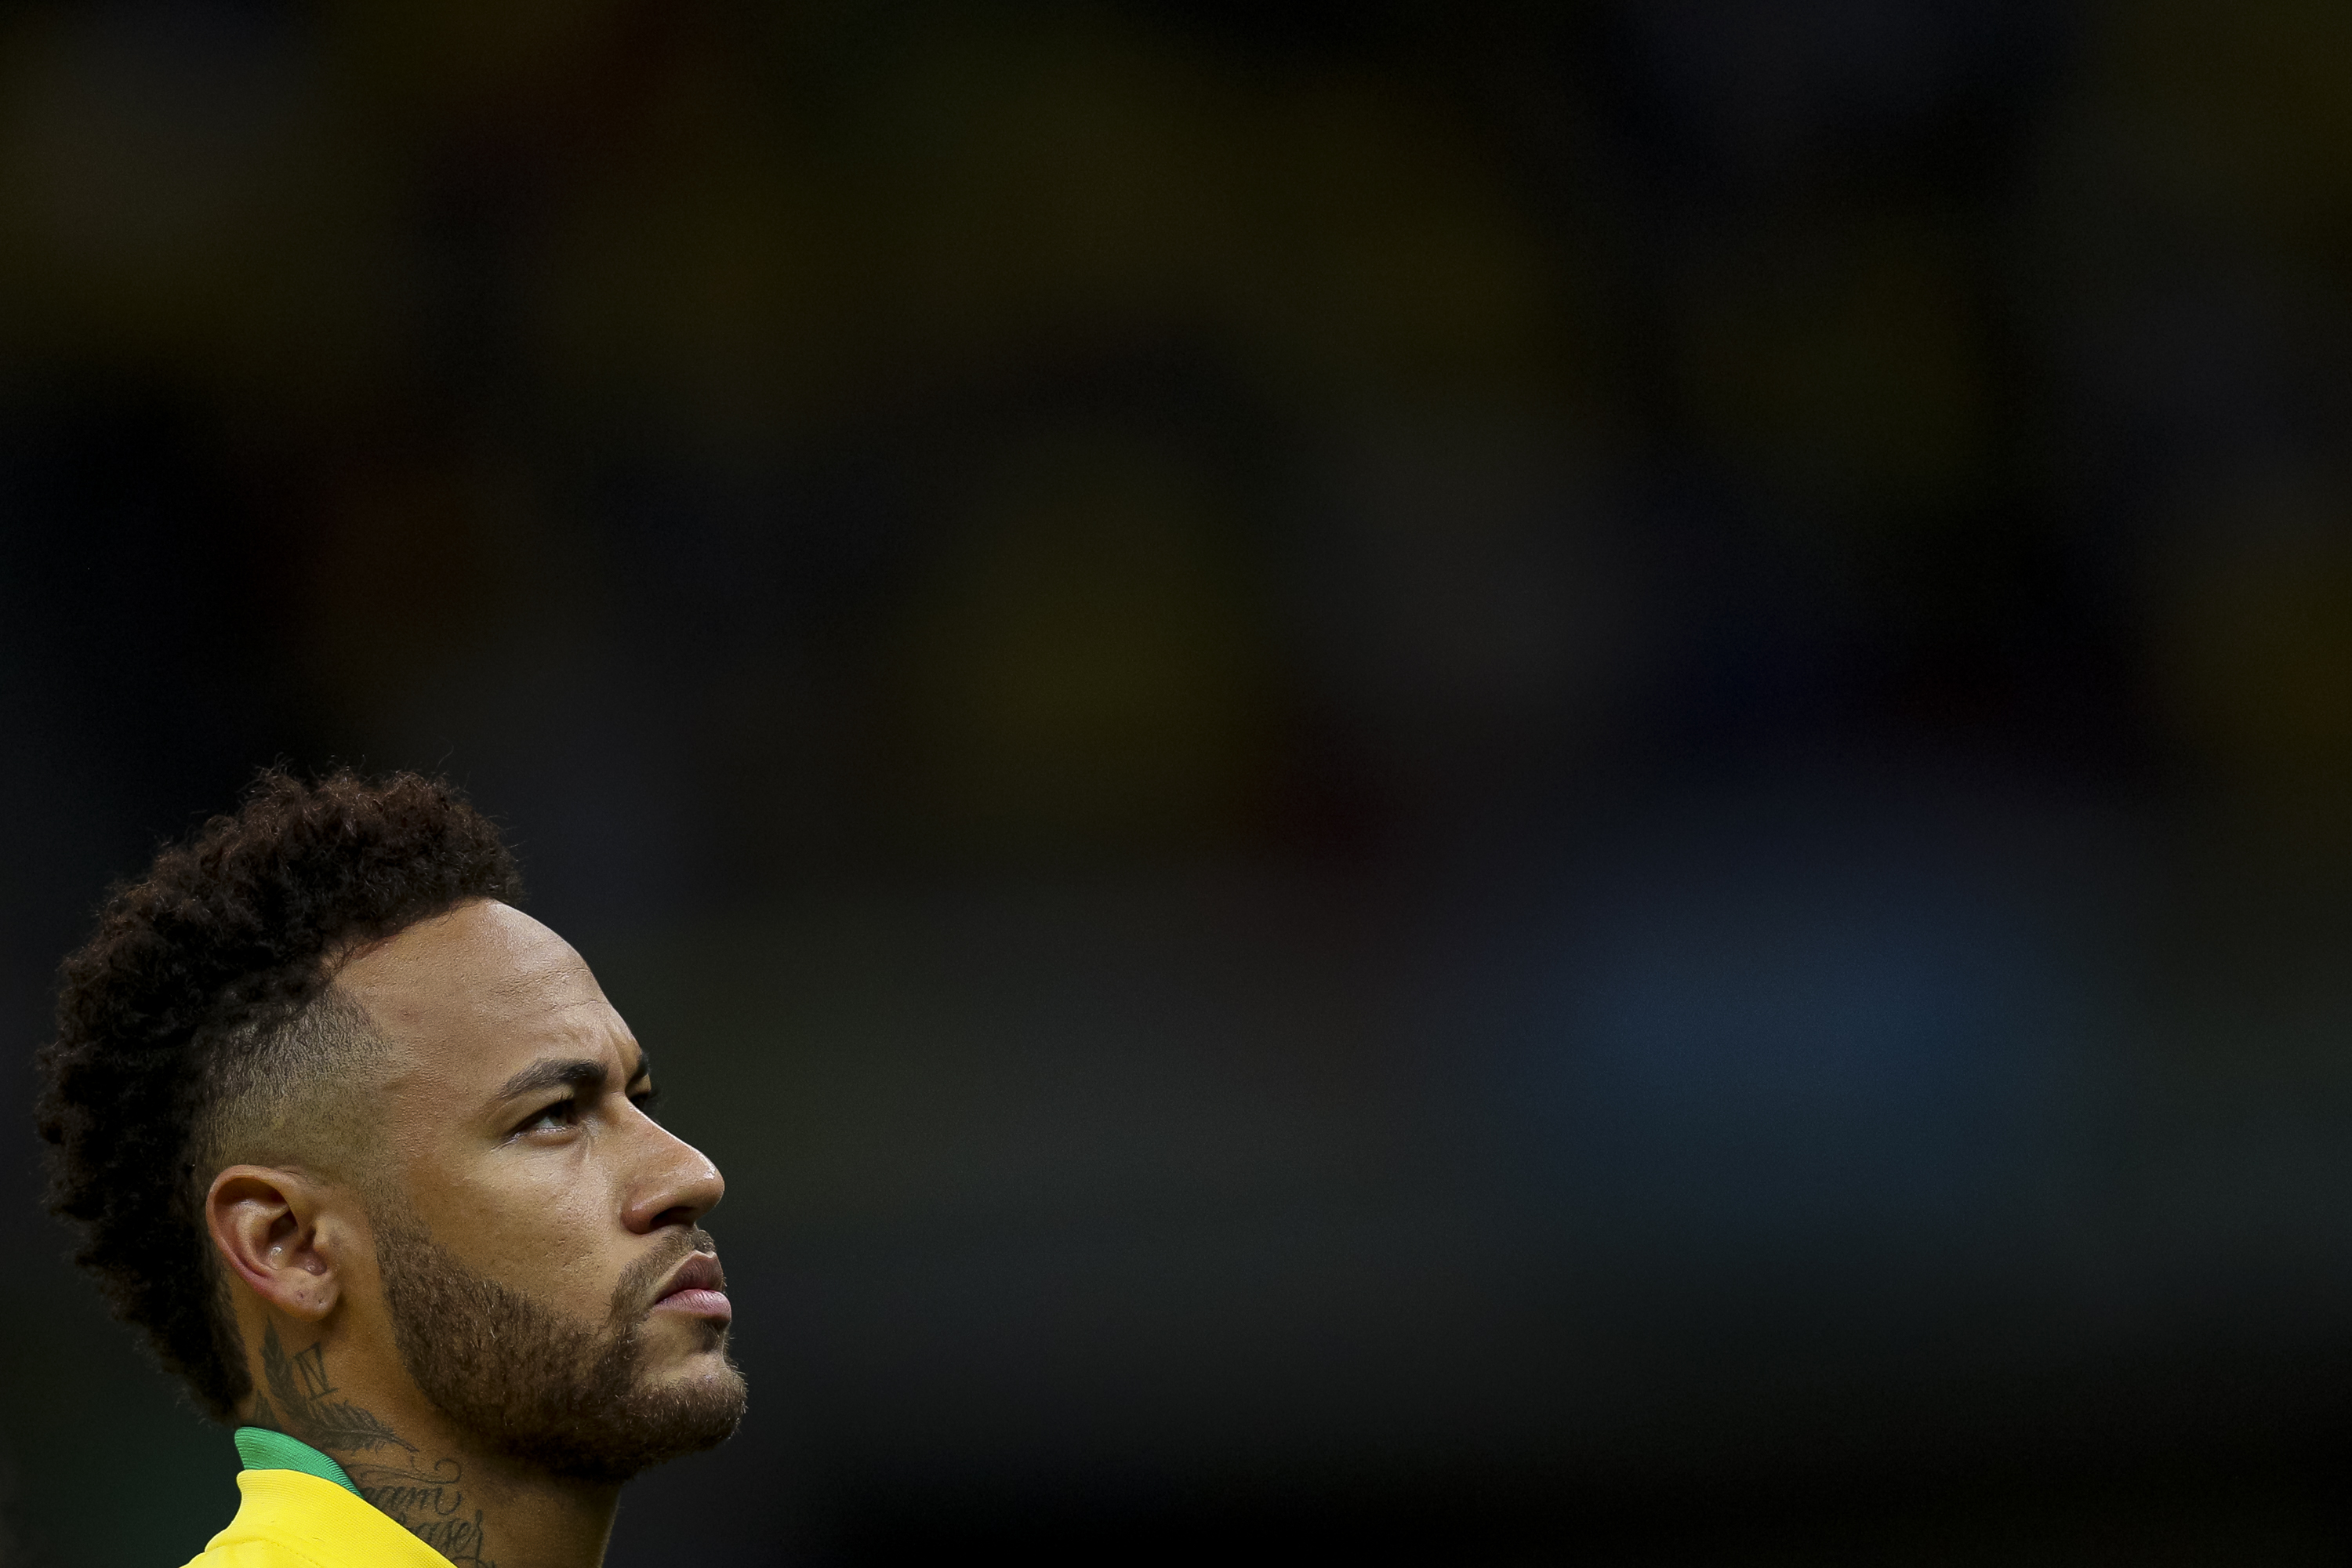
x: 428, y: 1504
x: 425, y: 1500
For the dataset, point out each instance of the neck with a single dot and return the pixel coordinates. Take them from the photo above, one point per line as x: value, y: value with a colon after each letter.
x: 477, y: 1508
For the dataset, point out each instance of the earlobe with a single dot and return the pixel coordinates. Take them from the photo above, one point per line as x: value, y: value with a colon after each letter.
x: 264, y: 1224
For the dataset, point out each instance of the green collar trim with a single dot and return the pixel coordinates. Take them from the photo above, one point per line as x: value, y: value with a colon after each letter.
x: 262, y: 1449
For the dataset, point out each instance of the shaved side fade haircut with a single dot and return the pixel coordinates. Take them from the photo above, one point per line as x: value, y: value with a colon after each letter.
x: 199, y: 1028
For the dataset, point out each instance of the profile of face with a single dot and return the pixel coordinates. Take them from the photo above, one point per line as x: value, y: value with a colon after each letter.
x: 541, y: 1267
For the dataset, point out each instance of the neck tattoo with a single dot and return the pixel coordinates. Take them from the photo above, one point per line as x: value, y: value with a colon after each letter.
x: 425, y: 1499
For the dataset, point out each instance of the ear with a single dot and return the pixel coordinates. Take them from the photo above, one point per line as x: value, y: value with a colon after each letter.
x: 264, y: 1224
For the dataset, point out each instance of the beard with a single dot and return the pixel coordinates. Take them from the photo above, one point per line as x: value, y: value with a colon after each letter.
x: 564, y: 1396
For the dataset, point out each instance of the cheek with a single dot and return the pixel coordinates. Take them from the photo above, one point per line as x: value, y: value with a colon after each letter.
x: 543, y: 1221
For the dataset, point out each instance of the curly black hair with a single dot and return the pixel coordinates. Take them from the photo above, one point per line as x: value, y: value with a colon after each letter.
x: 206, y: 984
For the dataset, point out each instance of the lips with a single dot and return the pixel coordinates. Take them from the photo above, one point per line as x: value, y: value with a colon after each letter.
x: 697, y: 1288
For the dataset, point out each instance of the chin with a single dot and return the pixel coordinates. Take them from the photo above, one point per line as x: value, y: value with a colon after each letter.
x: 711, y: 1365
x: 703, y: 1366
x: 676, y: 1339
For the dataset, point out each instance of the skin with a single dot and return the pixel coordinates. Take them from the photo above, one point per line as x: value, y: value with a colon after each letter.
x: 555, y: 1190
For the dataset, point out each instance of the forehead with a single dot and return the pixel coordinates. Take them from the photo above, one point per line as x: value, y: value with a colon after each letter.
x: 474, y: 993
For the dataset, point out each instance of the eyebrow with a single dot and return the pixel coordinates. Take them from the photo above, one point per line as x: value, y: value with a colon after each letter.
x: 565, y: 1072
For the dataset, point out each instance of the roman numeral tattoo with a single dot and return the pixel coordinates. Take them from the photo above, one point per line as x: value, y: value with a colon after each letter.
x: 305, y: 1407
x: 425, y: 1500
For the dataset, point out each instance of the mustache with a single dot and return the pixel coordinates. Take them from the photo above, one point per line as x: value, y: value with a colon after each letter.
x: 630, y: 1296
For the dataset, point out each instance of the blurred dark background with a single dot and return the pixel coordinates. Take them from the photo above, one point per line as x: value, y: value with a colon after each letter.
x: 1482, y: 784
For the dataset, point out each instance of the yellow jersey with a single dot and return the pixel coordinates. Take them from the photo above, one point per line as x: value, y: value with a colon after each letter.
x: 292, y: 1520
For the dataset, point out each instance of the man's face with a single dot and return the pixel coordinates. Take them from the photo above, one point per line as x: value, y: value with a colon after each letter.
x: 539, y: 1233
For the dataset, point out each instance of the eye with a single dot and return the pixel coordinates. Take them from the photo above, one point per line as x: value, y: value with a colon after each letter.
x: 562, y: 1114
x: 647, y: 1100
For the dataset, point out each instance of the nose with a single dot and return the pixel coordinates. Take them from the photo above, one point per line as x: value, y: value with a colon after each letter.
x: 676, y: 1183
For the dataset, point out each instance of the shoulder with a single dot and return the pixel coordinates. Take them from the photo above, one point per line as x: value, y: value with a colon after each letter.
x: 289, y: 1519
x: 254, y: 1554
